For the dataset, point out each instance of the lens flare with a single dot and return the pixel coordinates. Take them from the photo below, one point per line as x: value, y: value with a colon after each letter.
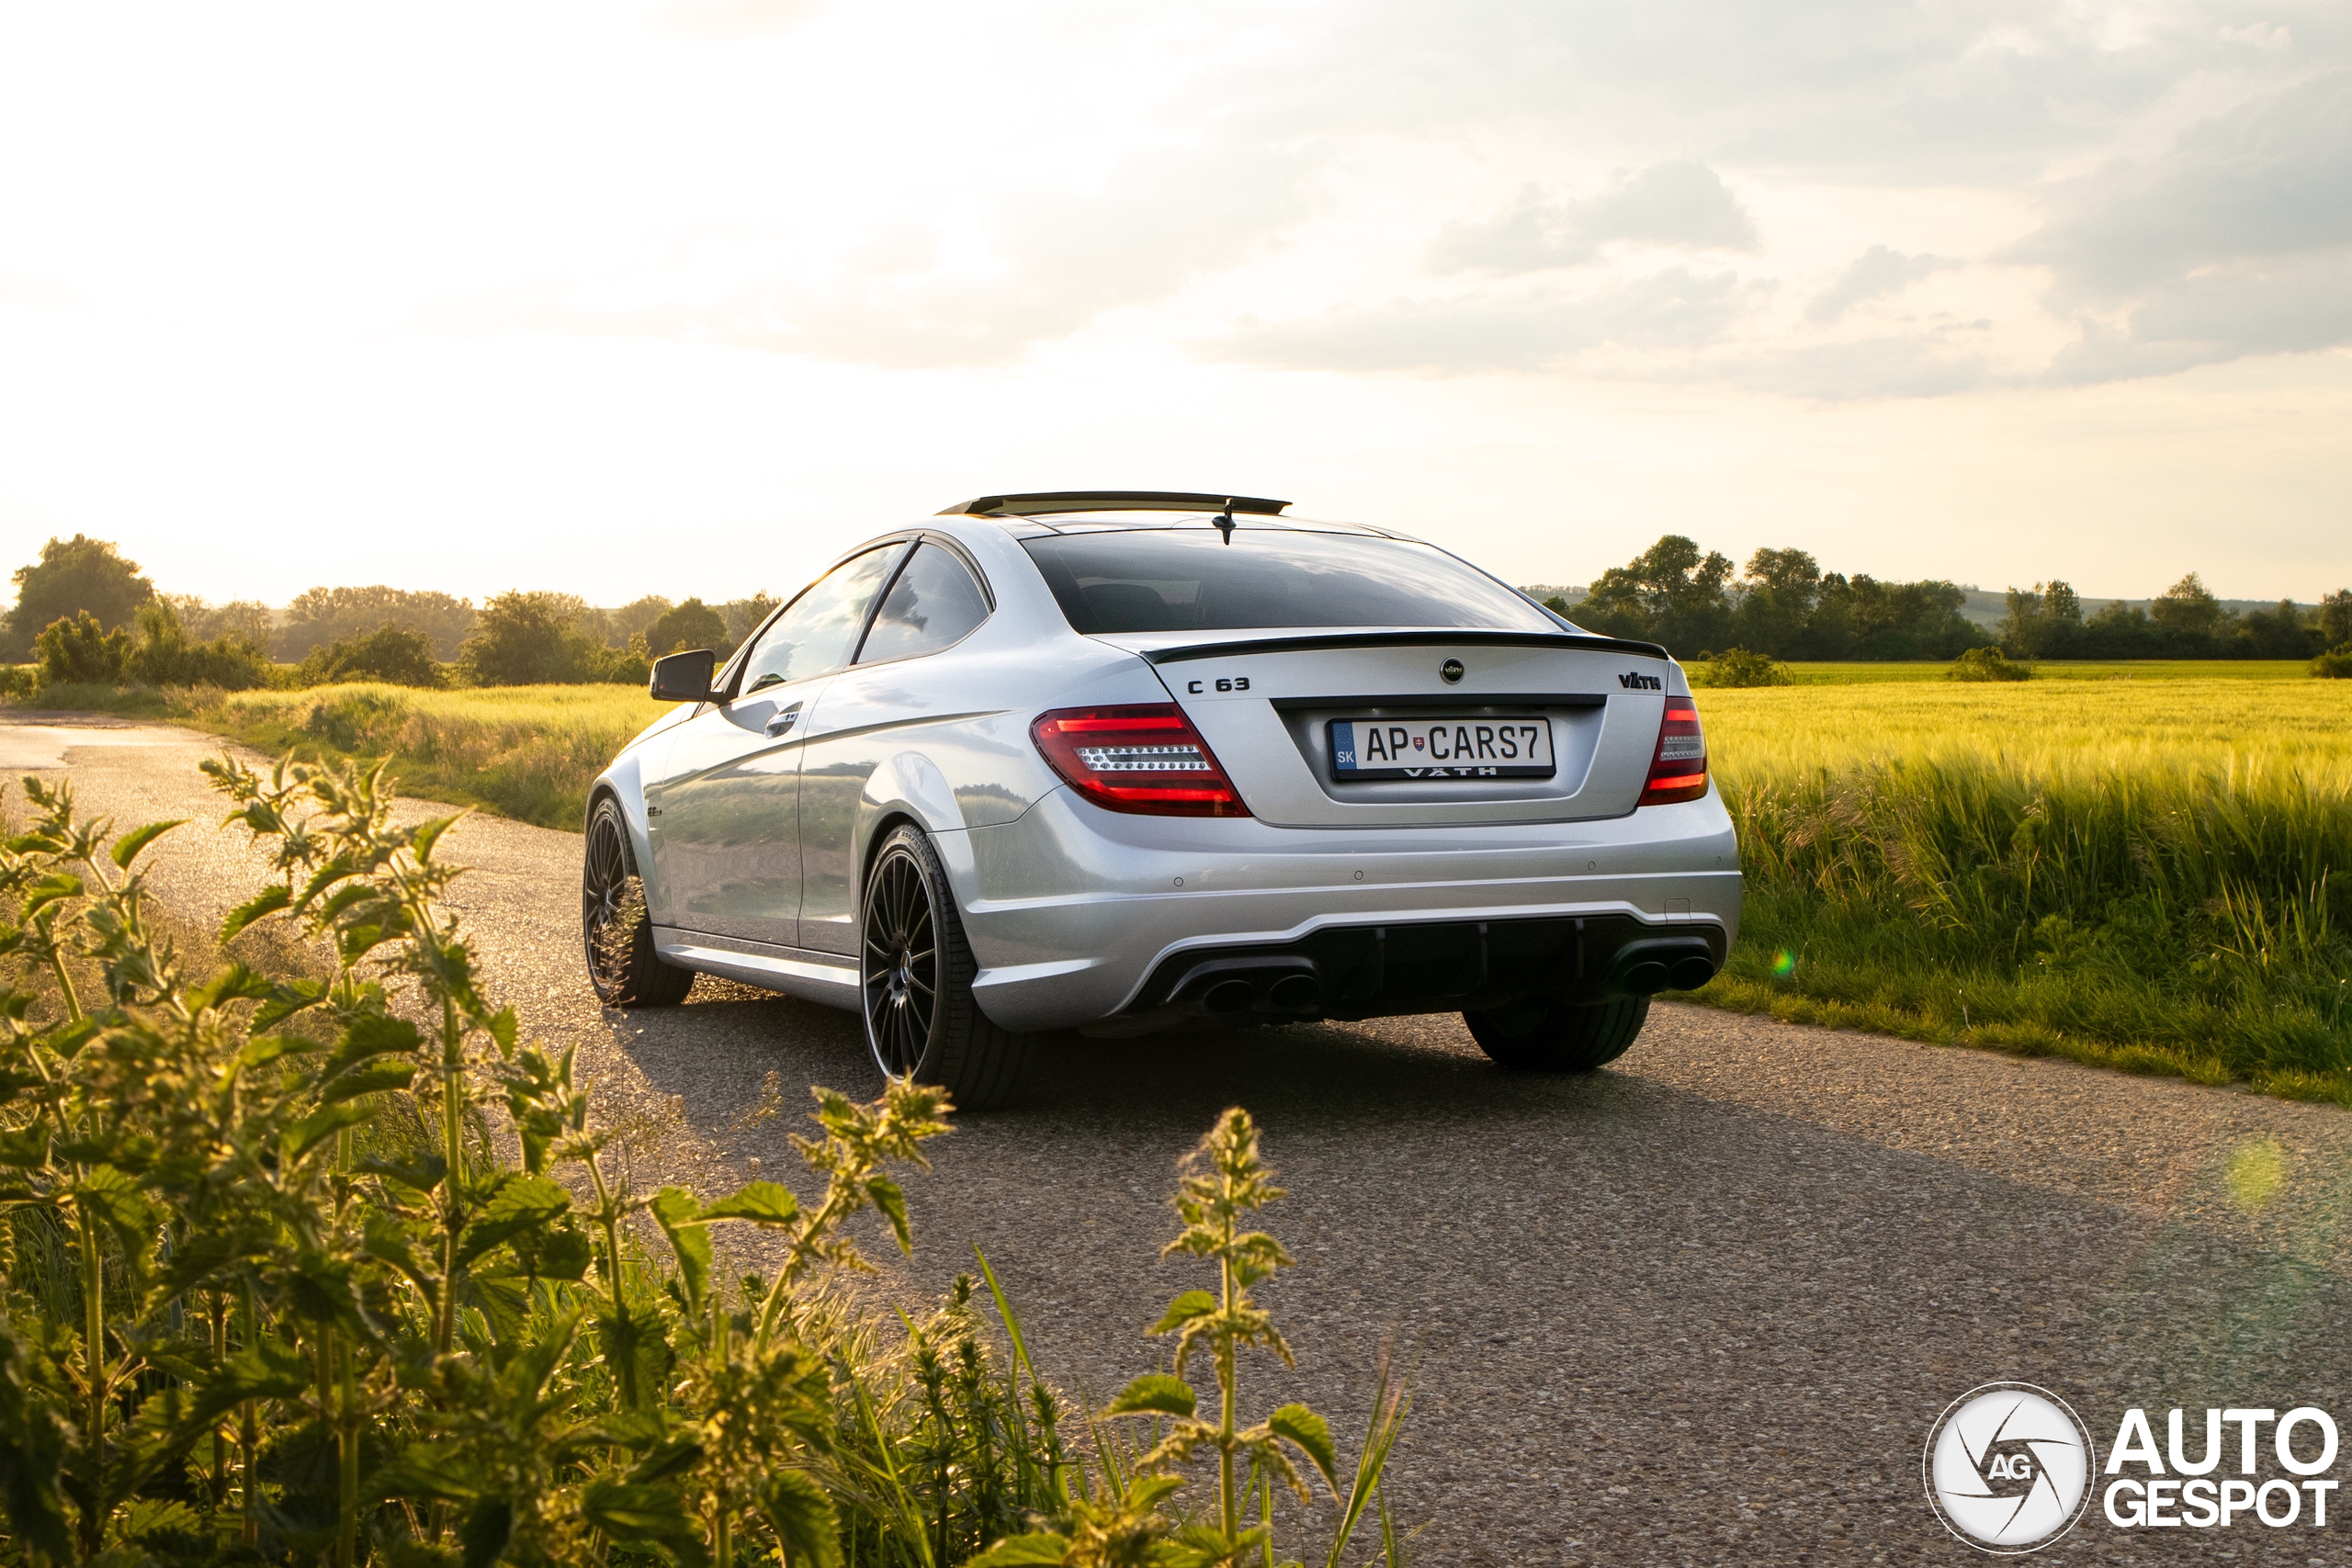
x: 1784, y: 964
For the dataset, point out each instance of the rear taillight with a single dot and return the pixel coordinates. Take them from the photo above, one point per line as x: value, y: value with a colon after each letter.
x: 1146, y: 759
x: 1678, y: 766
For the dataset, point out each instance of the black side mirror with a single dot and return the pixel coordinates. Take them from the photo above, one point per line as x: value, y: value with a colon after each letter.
x: 683, y: 677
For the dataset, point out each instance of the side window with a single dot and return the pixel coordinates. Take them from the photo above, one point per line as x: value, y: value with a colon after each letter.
x: 818, y: 632
x: 933, y: 602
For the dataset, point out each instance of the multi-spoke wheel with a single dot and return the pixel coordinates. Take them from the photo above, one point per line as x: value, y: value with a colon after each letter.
x: 614, y: 925
x: 1538, y: 1034
x: 920, y: 1019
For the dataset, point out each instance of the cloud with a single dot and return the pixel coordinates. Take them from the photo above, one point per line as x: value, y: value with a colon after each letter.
x: 2235, y: 240
x: 1876, y: 272
x: 1912, y: 366
x: 1679, y: 203
x: 916, y: 296
x: 1671, y: 310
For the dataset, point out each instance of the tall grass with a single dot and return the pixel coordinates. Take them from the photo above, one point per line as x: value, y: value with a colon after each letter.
x: 528, y: 752
x: 2153, y: 877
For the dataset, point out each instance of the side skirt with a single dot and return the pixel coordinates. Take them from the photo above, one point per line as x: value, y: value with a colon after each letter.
x: 827, y: 977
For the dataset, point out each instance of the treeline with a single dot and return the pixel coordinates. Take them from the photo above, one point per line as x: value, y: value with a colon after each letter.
x: 1785, y: 606
x: 2186, y: 621
x: 86, y: 615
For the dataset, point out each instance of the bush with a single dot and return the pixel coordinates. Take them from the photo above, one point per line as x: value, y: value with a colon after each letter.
x: 163, y: 655
x: 81, y: 651
x: 1987, y: 664
x: 274, y: 1293
x: 2335, y: 664
x: 529, y: 639
x: 394, y: 654
x: 1737, y: 667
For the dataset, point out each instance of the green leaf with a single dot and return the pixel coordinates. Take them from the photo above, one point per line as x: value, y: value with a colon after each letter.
x: 232, y: 982
x: 1023, y: 1551
x: 287, y: 999
x: 886, y: 1196
x: 268, y: 901
x: 762, y: 1203
x: 680, y: 1217
x: 320, y: 1125
x: 802, y: 1514
x: 127, y: 848
x: 57, y: 885
x: 423, y: 1172
x: 522, y: 1205
x: 1310, y: 1435
x: 502, y: 1027
x: 425, y: 835
x: 367, y: 1079
x: 489, y: 1524
x: 326, y: 876
x: 25, y: 1148
x: 372, y: 1035
x: 641, y: 1514
x: 1183, y: 1310
x: 1155, y: 1394
x: 666, y: 1459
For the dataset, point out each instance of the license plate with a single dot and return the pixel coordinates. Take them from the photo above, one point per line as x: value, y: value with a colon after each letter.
x: 1367, y: 749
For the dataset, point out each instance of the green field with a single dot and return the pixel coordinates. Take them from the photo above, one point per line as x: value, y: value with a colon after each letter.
x: 2052, y: 669
x: 2146, y: 874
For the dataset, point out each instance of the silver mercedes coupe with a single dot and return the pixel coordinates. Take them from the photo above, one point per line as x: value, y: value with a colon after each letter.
x: 1117, y: 761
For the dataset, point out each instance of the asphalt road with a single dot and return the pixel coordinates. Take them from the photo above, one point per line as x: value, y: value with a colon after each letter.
x: 1702, y: 1307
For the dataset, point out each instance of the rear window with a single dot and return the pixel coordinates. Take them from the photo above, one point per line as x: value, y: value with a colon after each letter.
x: 1172, y: 580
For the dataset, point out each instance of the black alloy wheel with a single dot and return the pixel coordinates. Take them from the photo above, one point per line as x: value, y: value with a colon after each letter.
x: 901, y: 961
x: 1544, y: 1034
x: 615, y: 929
x: 921, y: 1021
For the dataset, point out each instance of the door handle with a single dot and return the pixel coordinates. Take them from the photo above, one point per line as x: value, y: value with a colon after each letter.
x: 784, y: 721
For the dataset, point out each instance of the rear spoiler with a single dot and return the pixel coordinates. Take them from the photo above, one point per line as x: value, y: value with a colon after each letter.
x: 1583, y: 642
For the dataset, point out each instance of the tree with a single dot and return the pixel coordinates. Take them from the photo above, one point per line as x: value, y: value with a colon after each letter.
x: 1776, y: 600
x: 247, y: 620
x: 319, y: 616
x: 692, y: 625
x: 74, y: 576
x: 1669, y: 594
x: 2188, y: 612
x: 2045, y: 623
x: 2335, y: 618
x: 634, y: 617
x: 745, y: 615
x: 523, y: 639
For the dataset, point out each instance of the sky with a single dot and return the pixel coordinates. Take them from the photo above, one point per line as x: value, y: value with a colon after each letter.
x: 687, y: 295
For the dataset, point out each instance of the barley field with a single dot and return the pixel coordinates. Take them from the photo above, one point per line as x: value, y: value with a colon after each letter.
x: 2153, y: 874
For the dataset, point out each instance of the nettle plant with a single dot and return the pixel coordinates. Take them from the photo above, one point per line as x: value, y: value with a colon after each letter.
x: 336, y: 1269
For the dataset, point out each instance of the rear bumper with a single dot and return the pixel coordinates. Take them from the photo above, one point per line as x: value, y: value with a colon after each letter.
x: 1079, y: 915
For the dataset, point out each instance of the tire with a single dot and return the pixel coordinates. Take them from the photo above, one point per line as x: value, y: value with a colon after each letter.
x: 916, y: 972
x: 615, y: 930
x: 1538, y: 1034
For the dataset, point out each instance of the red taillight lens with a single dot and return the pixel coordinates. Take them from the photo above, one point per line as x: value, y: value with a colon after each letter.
x: 1678, y: 766
x: 1146, y: 759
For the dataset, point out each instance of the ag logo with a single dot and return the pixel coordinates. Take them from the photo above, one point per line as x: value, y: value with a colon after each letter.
x: 2008, y: 1468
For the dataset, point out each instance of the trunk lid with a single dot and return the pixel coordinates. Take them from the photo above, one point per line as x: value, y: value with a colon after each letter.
x: 1265, y: 702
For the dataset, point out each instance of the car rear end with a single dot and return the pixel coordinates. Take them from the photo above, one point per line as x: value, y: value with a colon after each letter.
x: 1320, y: 805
